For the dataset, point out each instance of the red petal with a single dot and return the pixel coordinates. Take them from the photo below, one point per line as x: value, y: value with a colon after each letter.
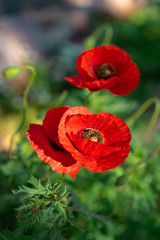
x: 113, y: 128
x: 82, y: 82
x: 97, y: 56
x: 127, y: 73
x: 76, y: 81
x: 60, y: 161
x: 96, y: 156
x: 51, y: 121
x: 90, y: 148
x: 62, y: 131
x: 97, y: 84
x: 126, y: 82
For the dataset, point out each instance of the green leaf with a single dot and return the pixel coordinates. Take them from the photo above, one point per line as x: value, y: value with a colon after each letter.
x: 37, y: 184
x: 61, y: 211
x: 30, y: 192
x: 63, y: 194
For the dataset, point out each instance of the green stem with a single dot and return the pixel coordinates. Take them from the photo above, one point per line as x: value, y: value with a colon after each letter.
x: 46, y: 175
x: 29, y: 84
x: 24, y: 106
x: 62, y: 178
x: 143, y: 108
x: 140, y: 112
x: 86, y: 99
x: 153, y: 121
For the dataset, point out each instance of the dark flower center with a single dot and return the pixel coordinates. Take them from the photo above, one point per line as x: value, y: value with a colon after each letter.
x: 56, y: 147
x: 93, y: 135
x: 106, y: 71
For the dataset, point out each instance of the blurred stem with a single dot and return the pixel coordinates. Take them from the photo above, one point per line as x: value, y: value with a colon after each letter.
x: 109, y: 35
x: 142, y: 109
x: 153, y: 120
x: 59, y: 183
x: 59, y: 100
x: 46, y: 175
x: 101, y: 36
x: 86, y: 99
x: 24, y: 105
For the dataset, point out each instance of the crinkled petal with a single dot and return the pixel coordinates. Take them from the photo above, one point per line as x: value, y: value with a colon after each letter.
x: 97, y: 56
x: 51, y: 121
x: 77, y: 81
x: 60, y: 161
x: 96, y: 156
x: 126, y: 82
x: 97, y: 84
x: 62, y: 131
x: 127, y: 73
x: 90, y: 148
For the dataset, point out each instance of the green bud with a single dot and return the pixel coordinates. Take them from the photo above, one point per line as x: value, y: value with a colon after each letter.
x: 11, y: 72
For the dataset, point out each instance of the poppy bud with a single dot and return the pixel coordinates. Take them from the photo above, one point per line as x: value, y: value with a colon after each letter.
x: 11, y: 72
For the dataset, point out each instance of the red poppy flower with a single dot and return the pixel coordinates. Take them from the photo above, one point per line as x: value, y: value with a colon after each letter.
x: 72, y: 136
x: 44, y: 140
x: 106, y: 67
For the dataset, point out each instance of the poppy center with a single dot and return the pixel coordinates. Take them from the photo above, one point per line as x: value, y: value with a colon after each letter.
x: 106, y: 71
x: 93, y: 135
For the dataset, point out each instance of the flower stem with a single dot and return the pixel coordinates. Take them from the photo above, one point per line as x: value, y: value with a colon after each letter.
x: 46, y: 175
x: 153, y: 120
x: 24, y: 106
x: 28, y: 85
x: 140, y: 112
x: 86, y: 99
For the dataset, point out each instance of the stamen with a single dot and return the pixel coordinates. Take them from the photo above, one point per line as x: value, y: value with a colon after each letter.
x: 93, y: 134
x: 106, y: 71
x: 94, y: 139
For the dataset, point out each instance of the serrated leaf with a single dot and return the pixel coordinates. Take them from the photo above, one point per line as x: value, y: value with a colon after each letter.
x: 30, y: 192
x: 34, y: 181
x: 63, y: 194
x: 61, y: 210
x: 25, y: 207
x: 22, y: 228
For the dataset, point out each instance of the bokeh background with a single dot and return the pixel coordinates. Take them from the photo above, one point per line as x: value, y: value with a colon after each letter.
x: 50, y: 35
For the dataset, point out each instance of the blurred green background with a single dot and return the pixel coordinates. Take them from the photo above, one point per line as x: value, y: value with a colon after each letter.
x: 50, y: 36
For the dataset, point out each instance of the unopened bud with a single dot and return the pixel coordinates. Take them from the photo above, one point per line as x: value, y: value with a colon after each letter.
x: 11, y: 72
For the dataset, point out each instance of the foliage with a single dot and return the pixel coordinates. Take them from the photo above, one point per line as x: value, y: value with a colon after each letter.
x: 120, y: 204
x: 47, y: 212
